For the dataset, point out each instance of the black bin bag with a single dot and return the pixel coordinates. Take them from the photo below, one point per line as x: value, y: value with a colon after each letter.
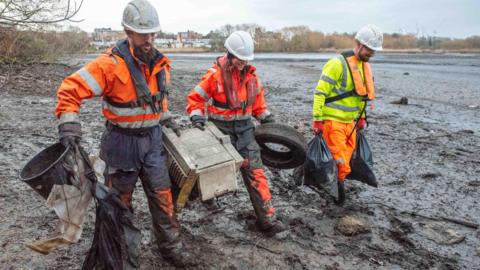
x: 362, y: 163
x: 320, y: 168
x: 116, y: 240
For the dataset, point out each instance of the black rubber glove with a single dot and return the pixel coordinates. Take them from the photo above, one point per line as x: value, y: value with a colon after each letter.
x: 198, y: 122
x: 70, y: 134
x: 269, y: 119
x: 170, y: 123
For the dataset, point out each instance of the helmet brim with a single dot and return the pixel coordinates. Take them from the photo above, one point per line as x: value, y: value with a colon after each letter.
x: 241, y: 57
x: 244, y: 58
x: 377, y: 49
x: 141, y: 30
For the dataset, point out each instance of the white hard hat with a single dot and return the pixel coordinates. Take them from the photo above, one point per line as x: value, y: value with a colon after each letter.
x: 240, y: 44
x: 370, y: 36
x: 141, y: 17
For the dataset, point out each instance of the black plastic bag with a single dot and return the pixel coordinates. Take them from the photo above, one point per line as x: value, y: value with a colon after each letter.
x: 320, y: 168
x: 116, y: 240
x: 362, y: 163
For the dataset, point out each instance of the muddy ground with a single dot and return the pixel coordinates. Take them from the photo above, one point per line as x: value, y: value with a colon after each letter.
x: 425, y: 154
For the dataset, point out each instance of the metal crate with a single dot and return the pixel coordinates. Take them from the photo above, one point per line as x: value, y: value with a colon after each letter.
x: 206, y: 158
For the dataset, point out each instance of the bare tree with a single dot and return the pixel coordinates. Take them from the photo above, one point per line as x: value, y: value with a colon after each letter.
x: 288, y: 33
x: 37, y: 12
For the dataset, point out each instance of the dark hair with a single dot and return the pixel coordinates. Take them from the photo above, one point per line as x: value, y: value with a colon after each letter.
x: 230, y: 55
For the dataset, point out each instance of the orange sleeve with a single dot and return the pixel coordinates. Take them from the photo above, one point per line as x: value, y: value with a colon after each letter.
x: 88, y: 82
x: 201, y: 93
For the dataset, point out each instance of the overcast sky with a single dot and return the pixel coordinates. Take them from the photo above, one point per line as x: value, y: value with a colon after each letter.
x: 447, y: 18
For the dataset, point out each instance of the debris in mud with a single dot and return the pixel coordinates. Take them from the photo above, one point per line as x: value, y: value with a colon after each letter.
x: 46, y: 246
x: 406, y: 73
x: 375, y: 261
x: 351, y: 226
x: 40, y: 78
x: 399, y: 231
x: 467, y: 131
x: 334, y: 266
x: 401, y: 238
x: 430, y: 175
x: 478, y: 252
x: 442, y: 235
x: 400, y: 225
x: 475, y: 183
x: 401, y: 101
x: 295, y: 262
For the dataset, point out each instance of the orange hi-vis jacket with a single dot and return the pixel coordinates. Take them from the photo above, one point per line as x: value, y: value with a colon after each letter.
x: 109, y: 77
x: 211, y: 87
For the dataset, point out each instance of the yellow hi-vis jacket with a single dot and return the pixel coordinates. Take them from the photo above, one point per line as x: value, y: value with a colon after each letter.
x: 335, y: 80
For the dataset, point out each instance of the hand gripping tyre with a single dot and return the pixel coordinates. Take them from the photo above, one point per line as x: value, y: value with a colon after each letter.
x: 282, y: 146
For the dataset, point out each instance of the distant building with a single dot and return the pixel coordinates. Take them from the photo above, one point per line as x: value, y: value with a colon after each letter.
x: 192, y: 39
x: 189, y: 35
x: 106, y: 37
x: 167, y: 43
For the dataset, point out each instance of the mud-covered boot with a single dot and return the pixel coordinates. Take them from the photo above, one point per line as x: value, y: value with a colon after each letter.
x: 341, y: 193
x: 178, y: 256
x: 173, y: 250
x: 270, y: 226
x: 166, y: 228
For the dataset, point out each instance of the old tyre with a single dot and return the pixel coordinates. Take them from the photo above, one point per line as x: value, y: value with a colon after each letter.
x: 282, y: 146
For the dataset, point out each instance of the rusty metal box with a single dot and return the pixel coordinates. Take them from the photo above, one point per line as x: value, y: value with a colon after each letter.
x: 204, y: 157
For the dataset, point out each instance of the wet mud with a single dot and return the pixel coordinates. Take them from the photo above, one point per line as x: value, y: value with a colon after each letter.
x: 426, y: 158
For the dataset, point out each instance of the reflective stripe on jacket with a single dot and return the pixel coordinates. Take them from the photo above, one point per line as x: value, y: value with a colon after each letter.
x: 211, y: 87
x: 108, y: 76
x: 336, y: 79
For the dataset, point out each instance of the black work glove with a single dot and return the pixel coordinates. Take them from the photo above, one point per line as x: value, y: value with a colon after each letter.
x: 269, y: 119
x: 198, y: 121
x: 170, y: 123
x: 70, y: 134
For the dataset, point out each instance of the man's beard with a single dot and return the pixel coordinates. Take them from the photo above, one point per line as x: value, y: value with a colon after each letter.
x: 364, y: 58
x: 145, y: 57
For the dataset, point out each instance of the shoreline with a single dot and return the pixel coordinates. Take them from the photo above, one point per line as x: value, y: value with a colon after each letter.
x: 388, y: 51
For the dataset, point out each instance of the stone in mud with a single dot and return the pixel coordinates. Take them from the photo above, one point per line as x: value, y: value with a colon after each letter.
x: 431, y: 175
x: 351, y: 226
x: 401, y: 101
x: 474, y: 183
x: 443, y: 236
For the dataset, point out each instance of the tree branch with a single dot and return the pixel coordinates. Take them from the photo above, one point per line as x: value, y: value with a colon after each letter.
x: 22, y: 13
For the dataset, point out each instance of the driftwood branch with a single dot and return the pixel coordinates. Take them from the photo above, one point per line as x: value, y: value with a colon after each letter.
x: 458, y: 221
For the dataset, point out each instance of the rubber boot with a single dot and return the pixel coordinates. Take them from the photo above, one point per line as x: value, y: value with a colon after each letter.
x: 270, y: 226
x: 261, y: 202
x: 341, y: 193
x: 166, y: 229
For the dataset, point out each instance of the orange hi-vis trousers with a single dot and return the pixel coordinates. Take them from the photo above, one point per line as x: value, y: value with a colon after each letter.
x: 336, y: 136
